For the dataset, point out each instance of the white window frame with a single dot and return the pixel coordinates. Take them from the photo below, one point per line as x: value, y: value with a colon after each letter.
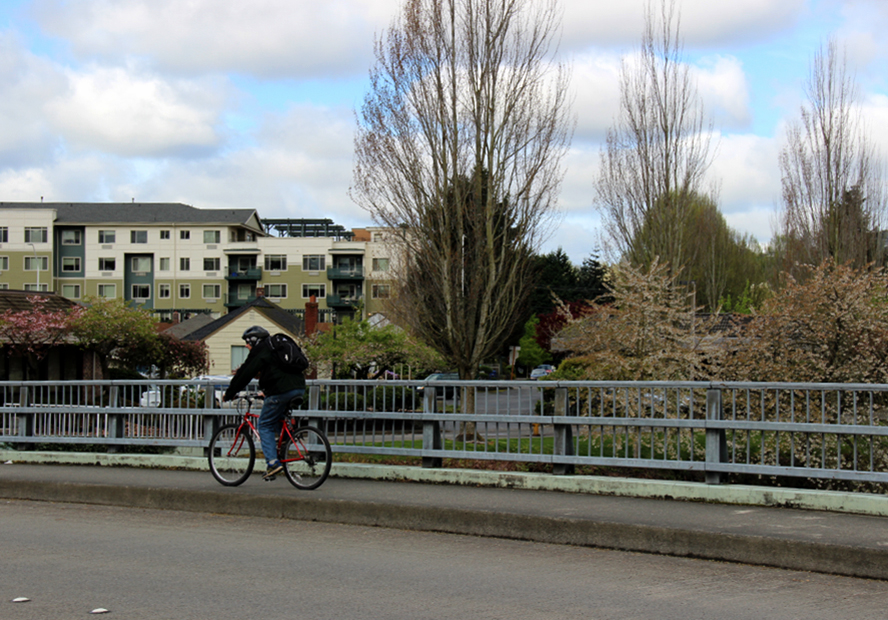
x: 107, y: 237
x: 70, y: 264
x: 306, y: 290
x: 164, y: 291
x: 184, y: 291
x: 212, y: 236
x: 215, y: 266
x: 164, y: 235
x: 381, y: 264
x: 184, y: 235
x: 217, y: 291
x: 77, y: 240
x: 163, y: 263
x: 147, y: 287
x: 139, y: 237
x: 4, y: 263
x: 75, y: 289
x: 4, y: 234
x: 282, y: 258
x: 105, y: 265
x: 184, y: 263
x: 42, y: 263
x: 103, y: 289
x: 308, y: 258
x: 281, y: 288
x: 40, y: 288
x: 135, y: 264
x: 41, y: 231
x: 375, y: 289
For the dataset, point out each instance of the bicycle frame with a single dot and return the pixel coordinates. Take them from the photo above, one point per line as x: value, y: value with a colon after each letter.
x: 287, y: 426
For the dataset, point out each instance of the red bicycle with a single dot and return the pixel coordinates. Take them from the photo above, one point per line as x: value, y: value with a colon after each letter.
x: 304, y: 450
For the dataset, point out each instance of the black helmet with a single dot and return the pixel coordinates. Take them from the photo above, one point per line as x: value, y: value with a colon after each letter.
x: 255, y: 334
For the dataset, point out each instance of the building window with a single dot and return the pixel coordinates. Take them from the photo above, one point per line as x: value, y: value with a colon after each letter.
x: 35, y: 234
x: 108, y: 291
x: 70, y: 237
x: 36, y: 263
x: 275, y: 290
x: 71, y: 291
x: 4, y: 263
x: 184, y: 234
x: 318, y: 290
x: 380, y: 291
x: 42, y: 288
x: 380, y: 264
x: 238, y: 355
x: 4, y: 234
x: 141, y: 291
x: 212, y: 291
x: 138, y: 236
x: 184, y: 264
x: 140, y: 264
x: 212, y: 264
x: 107, y: 264
x: 184, y: 291
x: 244, y: 291
x: 70, y: 264
x: 164, y: 264
x: 313, y: 262
x: 164, y: 291
x: 276, y: 262
x: 212, y: 236
x: 107, y: 236
x: 164, y: 235
x: 4, y: 286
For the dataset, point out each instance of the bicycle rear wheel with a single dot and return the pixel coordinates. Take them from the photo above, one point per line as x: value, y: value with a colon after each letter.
x: 308, y: 458
x: 232, y: 455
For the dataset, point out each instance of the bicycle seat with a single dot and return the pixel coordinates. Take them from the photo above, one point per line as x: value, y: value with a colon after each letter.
x: 295, y: 403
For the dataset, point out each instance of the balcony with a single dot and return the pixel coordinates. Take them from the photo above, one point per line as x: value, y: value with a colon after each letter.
x: 233, y: 301
x: 254, y: 273
x: 345, y: 273
x: 338, y: 301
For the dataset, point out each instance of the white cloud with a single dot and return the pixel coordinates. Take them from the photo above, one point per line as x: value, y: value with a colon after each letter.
x: 704, y: 23
x: 596, y: 86
x: 268, y: 38
x: 119, y: 112
x: 722, y: 86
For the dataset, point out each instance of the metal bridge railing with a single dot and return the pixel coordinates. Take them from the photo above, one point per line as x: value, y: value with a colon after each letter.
x: 834, y: 431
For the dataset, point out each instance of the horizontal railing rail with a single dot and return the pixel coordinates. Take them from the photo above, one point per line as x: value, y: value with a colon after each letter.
x: 815, y: 431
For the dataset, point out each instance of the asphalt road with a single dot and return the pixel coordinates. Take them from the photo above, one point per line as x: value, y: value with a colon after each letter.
x: 71, y: 559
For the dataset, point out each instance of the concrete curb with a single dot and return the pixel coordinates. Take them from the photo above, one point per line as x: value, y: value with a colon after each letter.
x: 747, y: 549
x: 745, y: 495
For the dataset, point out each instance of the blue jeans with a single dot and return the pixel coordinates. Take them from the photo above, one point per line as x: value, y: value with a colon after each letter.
x: 271, y: 419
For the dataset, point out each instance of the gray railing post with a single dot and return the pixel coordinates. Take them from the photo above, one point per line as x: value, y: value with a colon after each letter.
x: 116, y: 421
x: 431, y: 430
x: 563, y: 435
x: 314, y: 403
x: 716, y: 444
x: 25, y: 420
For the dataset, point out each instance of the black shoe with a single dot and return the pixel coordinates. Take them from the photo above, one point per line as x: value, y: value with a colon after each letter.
x: 272, y: 471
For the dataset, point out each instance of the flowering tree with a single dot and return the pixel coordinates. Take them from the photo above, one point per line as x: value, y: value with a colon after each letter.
x: 31, y: 333
x: 112, y: 328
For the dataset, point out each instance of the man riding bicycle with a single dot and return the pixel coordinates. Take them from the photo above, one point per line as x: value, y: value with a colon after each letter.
x: 277, y: 383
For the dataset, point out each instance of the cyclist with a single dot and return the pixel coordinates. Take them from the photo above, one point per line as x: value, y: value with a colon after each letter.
x: 279, y: 386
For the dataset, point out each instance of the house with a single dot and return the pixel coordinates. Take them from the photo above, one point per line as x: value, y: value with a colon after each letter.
x: 63, y: 361
x: 225, y: 347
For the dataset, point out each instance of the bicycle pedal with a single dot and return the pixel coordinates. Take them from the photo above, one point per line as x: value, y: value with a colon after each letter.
x: 269, y: 478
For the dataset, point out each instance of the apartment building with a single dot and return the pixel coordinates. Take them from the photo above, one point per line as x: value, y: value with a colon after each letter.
x: 177, y: 260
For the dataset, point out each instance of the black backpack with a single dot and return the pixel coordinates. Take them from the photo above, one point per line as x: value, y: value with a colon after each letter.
x: 288, y: 353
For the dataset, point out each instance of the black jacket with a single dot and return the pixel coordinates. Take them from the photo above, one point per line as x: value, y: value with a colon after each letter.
x: 273, y: 378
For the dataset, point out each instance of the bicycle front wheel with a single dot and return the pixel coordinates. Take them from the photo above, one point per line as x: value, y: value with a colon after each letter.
x: 232, y: 455
x: 307, y: 458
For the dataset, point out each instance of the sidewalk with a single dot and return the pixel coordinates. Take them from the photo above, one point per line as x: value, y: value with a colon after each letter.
x: 526, y: 507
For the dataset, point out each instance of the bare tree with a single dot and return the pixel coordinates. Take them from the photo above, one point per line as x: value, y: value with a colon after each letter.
x: 459, y: 147
x: 833, y: 193
x: 658, y: 151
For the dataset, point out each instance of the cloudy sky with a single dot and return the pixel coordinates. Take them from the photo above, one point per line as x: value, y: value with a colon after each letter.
x: 229, y: 103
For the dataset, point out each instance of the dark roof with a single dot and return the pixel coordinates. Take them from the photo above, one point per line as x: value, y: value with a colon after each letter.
x: 19, y: 300
x: 271, y: 311
x: 136, y: 213
x: 181, y: 330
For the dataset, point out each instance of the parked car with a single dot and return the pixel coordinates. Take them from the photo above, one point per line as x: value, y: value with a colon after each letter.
x: 446, y: 391
x: 152, y: 397
x: 541, y: 371
x: 219, y: 384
